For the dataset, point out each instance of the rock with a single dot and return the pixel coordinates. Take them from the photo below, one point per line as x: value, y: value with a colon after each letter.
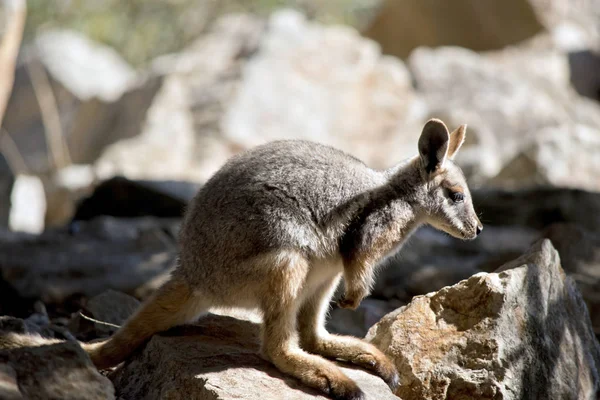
x: 578, y: 249
x: 7, y: 180
x: 401, y: 26
x: 326, y: 84
x: 215, y: 359
x: 573, y: 25
x: 562, y: 156
x: 86, y: 58
x: 109, y: 308
x: 182, y: 135
x: 80, y: 116
x: 522, y: 332
x: 121, y: 197
x: 538, y: 208
x: 494, y: 93
x: 39, y: 369
x: 104, y: 253
x: 262, y: 85
x: 9, y: 387
x: 12, y: 324
x: 65, y: 189
x: 28, y: 201
x: 11, y: 302
x: 585, y: 73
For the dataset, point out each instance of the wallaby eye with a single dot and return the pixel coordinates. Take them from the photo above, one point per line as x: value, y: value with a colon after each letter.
x: 457, y: 197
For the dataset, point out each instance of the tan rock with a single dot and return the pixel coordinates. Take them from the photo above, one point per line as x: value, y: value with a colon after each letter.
x: 401, y: 26
x: 522, y: 332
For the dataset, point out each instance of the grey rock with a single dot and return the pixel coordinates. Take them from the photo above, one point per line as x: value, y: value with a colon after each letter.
x: 109, y: 308
x: 7, y: 179
x: 579, y: 251
x: 521, y: 332
x: 494, y: 92
x: 585, y: 73
x: 125, y: 255
x: 182, y: 136
x: 50, y: 370
x: 573, y: 26
x: 121, y: 197
x: 217, y: 359
x: 559, y: 156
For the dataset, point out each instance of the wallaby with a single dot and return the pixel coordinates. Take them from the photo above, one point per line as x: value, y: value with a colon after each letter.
x: 278, y: 226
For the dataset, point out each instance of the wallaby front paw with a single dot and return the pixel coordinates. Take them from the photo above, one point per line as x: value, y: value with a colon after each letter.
x: 350, y: 302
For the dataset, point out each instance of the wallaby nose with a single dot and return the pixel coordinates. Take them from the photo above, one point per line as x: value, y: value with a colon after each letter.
x: 479, y: 229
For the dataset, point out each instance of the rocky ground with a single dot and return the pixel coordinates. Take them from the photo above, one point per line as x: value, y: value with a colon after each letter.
x: 507, y: 316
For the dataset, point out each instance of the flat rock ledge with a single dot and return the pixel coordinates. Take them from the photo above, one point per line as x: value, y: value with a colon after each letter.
x: 217, y: 359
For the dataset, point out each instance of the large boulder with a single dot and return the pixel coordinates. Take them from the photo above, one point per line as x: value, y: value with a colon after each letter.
x: 217, y: 359
x: 58, y: 113
x: 245, y: 82
x: 521, y: 332
x: 494, y: 93
x: 181, y: 138
x: 326, y: 84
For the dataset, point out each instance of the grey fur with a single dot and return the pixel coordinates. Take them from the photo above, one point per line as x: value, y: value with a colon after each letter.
x: 311, y: 198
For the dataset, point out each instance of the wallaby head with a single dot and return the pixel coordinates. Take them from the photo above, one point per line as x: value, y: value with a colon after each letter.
x: 445, y: 199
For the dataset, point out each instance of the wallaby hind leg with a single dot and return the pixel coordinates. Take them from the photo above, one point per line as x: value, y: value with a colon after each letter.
x: 172, y: 304
x: 280, y: 337
x: 315, y: 338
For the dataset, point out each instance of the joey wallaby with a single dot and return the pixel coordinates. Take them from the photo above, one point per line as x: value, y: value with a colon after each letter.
x: 278, y: 226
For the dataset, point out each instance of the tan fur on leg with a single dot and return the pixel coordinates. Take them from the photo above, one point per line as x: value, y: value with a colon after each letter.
x: 280, y: 337
x: 315, y: 338
x: 172, y: 304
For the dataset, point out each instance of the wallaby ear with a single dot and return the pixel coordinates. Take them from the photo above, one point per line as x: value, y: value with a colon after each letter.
x: 457, y: 138
x: 433, y: 145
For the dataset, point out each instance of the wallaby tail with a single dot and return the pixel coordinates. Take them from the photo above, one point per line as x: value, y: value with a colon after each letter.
x: 172, y: 304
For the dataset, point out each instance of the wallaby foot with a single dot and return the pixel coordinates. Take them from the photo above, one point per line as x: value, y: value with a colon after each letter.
x: 315, y: 372
x: 359, y: 352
